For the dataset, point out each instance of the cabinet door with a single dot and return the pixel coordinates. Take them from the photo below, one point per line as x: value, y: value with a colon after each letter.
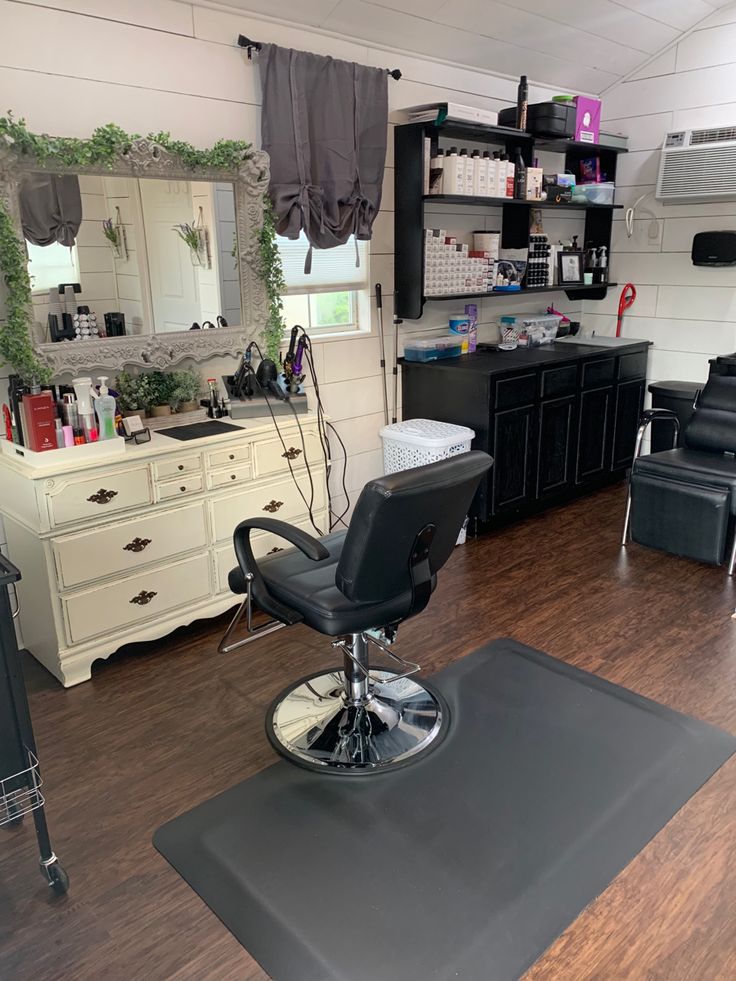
x: 556, y: 445
x: 629, y: 401
x: 594, y: 434
x: 514, y: 442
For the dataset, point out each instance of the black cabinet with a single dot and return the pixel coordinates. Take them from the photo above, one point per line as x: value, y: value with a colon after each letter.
x: 559, y: 421
x: 594, y: 434
x: 557, y: 430
x: 513, y: 452
x: 629, y: 403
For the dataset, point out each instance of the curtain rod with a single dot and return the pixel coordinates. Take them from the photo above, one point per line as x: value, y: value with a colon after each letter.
x: 245, y: 42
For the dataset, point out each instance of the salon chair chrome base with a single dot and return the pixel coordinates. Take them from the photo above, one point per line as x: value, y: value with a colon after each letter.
x: 357, y: 587
x: 353, y: 720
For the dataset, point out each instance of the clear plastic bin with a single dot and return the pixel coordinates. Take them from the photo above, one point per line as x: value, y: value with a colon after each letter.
x: 596, y: 193
x: 433, y: 348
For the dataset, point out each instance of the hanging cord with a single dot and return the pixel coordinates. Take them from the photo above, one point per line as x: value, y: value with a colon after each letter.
x: 630, y: 214
x: 323, y: 426
x: 309, y: 504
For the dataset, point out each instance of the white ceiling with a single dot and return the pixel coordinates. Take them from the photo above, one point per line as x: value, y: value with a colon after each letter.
x: 584, y: 45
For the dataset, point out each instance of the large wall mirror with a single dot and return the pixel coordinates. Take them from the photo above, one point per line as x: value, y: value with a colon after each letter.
x: 143, y: 263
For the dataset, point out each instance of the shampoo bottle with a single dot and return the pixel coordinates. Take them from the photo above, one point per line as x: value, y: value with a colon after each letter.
x: 453, y: 178
x: 510, y: 175
x: 472, y: 176
x: 520, y: 176
x: 105, y: 409
x: 464, y: 166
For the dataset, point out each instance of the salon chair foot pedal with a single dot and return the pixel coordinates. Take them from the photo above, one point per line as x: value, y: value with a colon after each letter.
x: 315, y: 724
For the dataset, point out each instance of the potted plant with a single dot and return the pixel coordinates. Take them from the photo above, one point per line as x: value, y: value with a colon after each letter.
x: 155, y: 389
x: 186, y: 386
x: 128, y: 395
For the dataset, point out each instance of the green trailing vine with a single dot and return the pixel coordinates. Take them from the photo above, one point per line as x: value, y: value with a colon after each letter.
x: 104, y: 148
x: 16, y: 347
x: 108, y: 142
x: 273, y: 279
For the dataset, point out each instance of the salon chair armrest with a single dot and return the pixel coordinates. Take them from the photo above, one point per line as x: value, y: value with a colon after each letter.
x: 649, y: 416
x: 306, y: 544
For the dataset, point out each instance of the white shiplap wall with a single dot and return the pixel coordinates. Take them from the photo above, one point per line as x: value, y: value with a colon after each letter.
x: 688, y: 312
x: 150, y: 65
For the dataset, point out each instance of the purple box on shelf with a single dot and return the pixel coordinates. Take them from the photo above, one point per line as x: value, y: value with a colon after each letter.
x: 588, y: 119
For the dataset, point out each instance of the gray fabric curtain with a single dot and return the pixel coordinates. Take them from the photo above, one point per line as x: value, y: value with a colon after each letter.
x: 324, y: 125
x: 51, y: 208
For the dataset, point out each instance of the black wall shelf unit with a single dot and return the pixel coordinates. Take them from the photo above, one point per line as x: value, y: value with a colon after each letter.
x: 411, y: 202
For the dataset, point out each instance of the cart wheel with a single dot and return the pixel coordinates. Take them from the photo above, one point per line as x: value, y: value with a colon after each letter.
x: 57, y: 878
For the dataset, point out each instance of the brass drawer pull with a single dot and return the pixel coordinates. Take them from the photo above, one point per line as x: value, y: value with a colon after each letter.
x: 291, y: 454
x: 143, y: 598
x: 182, y: 489
x: 102, y: 496
x: 273, y: 506
x: 231, y: 456
x: 273, y: 550
x: 233, y: 476
x: 181, y: 466
x: 137, y: 545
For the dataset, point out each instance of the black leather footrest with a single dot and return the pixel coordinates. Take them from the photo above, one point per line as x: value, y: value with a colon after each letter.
x: 684, y: 519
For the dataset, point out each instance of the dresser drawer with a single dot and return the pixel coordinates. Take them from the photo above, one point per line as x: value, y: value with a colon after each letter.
x: 272, y: 499
x: 98, y: 497
x: 136, y: 599
x: 513, y: 392
x: 123, y: 547
x: 596, y: 374
x: 187, y: 484
x: 233, y: 454
x: 264, y: 543
x: 270, y: 457
x: 165, y: 469
x: 558, y: 382
x: 231, y: 476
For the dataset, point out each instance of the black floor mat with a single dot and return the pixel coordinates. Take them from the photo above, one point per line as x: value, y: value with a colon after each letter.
x: 467, y: 864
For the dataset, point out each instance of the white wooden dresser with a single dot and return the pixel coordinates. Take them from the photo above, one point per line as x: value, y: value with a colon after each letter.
x: 130, y: 547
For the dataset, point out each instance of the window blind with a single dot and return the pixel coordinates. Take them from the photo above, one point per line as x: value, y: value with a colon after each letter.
x: 332, y: 269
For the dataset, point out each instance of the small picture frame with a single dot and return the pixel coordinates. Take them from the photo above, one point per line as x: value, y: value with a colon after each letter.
x: 570, y: 268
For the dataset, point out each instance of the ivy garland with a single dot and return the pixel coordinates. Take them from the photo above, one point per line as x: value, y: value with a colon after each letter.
x: 104, y: 147
x: 273, y: 279
x: 16, y: 347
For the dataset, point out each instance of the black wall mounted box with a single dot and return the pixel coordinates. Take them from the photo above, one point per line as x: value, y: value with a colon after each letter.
x: 714, y: 249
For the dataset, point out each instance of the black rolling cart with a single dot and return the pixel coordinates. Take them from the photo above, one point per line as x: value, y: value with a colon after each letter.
x: 20, y: 777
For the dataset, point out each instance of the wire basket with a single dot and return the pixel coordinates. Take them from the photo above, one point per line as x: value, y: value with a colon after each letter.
x: 415, y: 442
x: 20, y: 793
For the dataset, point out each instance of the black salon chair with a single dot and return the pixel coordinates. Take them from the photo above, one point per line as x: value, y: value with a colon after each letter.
x: 683, y: 501
x: 358, y: 586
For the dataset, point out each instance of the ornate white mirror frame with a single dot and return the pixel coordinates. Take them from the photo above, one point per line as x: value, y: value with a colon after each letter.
x: 146, y: 158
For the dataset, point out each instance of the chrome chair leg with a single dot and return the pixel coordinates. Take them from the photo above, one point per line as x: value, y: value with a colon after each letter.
x: 637, y: 452
x: 246, y: 610
x: 732, y: 561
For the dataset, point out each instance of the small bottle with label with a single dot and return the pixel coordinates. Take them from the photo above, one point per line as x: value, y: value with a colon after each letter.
x: 482, y: 177
x: 453, y: 177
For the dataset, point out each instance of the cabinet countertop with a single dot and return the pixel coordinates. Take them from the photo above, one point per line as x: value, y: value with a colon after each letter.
x: 158, y: 446
x: 490, y: 361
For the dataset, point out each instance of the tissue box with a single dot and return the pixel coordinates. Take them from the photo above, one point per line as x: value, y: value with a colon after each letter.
x: 587, y: 119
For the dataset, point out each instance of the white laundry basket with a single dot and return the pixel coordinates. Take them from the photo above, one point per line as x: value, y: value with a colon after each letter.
x: 418, y: 441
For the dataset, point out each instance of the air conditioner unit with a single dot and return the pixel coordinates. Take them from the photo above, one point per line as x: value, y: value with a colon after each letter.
x: 698, y: 165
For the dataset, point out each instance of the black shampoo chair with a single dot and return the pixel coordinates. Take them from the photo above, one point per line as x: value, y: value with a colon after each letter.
x: 683, y: 500
x: 358, y: 586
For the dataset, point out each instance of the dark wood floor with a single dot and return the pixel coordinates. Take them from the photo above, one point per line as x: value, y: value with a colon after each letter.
x: 170, y: 724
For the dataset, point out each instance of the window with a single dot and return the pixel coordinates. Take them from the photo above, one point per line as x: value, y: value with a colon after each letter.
x: 51, y: 265
x: 327, y: 300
